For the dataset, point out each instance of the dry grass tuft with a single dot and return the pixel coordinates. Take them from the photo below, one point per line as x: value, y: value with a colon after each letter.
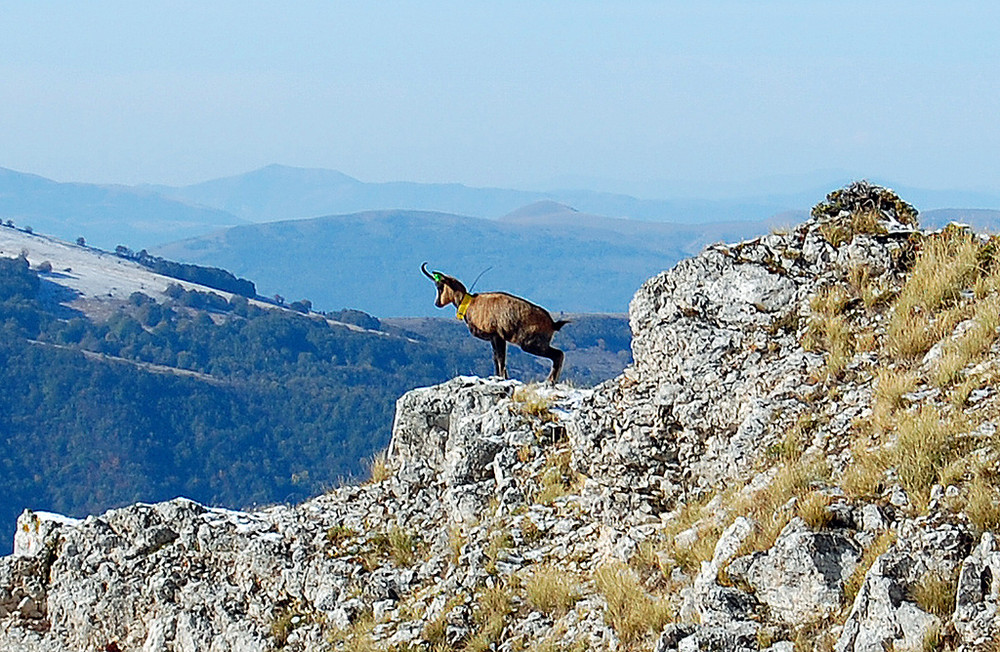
x: 829, y: 329
x: 864, y: 476
x: 493, y: 606
x: 982, y: 504
x: 556, y: 477
x: 397, y: 544
x: 686, y: 557
x: 891, y: 384
x: 841, y: 230
x: 456, y: 541
x: 793, y: 480
x: 791, y: 446
x: 551, y: 590
x: 925, y: 444
x: 947, y: 265
x: 435, y: 630
x: 534, y: 404
x: 976, y: 339
x: 814, y: 509
x: 378, y: 468
x: 499, y: 541
x: 631, y: 612
x: 357, y: 637
x: 935, y: 594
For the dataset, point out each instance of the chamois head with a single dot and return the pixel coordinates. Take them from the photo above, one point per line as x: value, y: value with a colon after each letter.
x: 449, y: 288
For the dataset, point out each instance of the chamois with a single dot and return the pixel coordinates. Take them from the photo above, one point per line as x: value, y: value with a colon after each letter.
x: 499, y: 318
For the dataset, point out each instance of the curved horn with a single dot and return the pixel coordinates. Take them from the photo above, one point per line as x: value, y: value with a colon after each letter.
x: 423, y: 268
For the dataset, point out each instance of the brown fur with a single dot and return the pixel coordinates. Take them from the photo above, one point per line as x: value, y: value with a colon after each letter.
x: 499, y: 318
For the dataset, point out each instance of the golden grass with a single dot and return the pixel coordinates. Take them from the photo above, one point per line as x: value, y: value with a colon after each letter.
x: 534, y: 404
x: 397, y: 544
x: 932, y: 639
x: 434, y: 630
x: 631, y: 612
x: 829, y: 329
x: 499, y: 541
x: 493, y: 606
x: 841, y: 230
x: 357, y: 637
x: 402, y: 546
x: 814, y: 637
x: 891, y: 384
x: 935, y: 594
x: 960, y: 392
x: 910, y: 333
x: 378, y: 468
x: 556, y: 477
x: 551, y: 590
x: 864, y: 476
x: 793, y: 480
x: 925, y: 444
x: 648, y: 560
x: 287, y: 622
x: 870, y: 290
x: 840, y: 345
x: 338, y: 534
x: 969, y: 347
x: 813, y: 508
x: 456, y: 541
x: 689, y: 558
x: 947, y: 264
x: 982, y: 504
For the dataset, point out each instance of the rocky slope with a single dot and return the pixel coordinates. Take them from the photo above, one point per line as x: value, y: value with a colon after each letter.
x: 802, y: 456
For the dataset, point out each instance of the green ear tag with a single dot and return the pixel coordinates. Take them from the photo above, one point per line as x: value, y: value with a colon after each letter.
x: 438, y: 277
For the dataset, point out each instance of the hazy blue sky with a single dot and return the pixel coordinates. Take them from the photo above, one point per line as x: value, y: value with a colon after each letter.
x: 503, y: 93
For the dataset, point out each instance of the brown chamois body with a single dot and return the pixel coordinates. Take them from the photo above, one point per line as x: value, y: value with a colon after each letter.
x: 498, y: 318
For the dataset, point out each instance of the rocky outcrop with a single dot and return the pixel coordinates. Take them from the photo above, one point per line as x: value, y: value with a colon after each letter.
x: 717, y: 363
x: 703, y: 500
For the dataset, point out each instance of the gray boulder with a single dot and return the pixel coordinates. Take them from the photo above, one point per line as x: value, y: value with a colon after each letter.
x: 801, y: 577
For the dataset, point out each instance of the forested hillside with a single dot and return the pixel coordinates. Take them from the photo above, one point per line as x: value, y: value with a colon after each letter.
x: 214, y: 399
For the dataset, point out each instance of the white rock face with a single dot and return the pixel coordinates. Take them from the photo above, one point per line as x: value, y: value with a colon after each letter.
x: 885, y: 612
x: 801, y: 577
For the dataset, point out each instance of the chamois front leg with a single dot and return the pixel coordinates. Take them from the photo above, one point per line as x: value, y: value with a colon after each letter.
x: 499, y: 356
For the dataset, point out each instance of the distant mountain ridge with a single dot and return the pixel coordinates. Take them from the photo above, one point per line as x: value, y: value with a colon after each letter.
x: 105, y: 215
x: 278, y: 192
x: 651, y: 233
x: 565, y: 260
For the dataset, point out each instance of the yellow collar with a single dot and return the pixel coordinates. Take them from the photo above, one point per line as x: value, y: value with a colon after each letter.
x: 462, y: 307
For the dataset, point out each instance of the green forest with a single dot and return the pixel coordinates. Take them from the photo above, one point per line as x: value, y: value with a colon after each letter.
x: 214, y: 399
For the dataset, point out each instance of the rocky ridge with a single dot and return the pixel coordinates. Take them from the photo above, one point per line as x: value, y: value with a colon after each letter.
x: 784, y: 466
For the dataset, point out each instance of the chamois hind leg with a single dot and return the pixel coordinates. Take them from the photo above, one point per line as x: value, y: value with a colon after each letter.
x: 499, y: 356
x: 546, y: 350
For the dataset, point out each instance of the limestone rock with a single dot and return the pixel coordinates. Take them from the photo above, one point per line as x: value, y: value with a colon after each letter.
x: 885, y: 611
x: 801, y: 577
x: 976, y: 596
